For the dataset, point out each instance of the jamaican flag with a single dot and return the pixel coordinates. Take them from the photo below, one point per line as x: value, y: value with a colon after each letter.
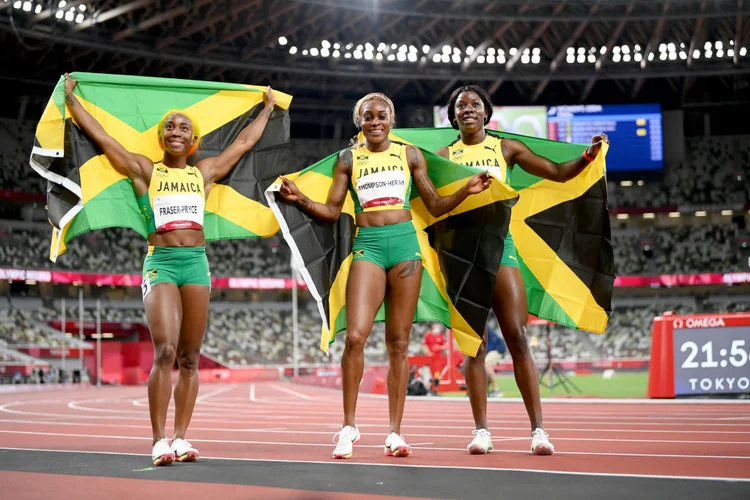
x: 84, y: 191
x: 561, y: 231
x: 461, y: 251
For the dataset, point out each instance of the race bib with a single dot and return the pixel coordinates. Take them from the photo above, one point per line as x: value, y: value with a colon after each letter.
x: 178, y: 211
x: 382, y: 189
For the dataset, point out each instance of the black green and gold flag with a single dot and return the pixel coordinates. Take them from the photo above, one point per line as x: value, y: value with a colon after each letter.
x: 461, y: 251
x: 84, y: 191
x: 561, y: 231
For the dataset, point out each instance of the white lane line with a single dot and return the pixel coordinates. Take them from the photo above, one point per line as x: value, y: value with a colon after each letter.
x: 213, y: 393
x: 294, y: 393
x: 284, y: 443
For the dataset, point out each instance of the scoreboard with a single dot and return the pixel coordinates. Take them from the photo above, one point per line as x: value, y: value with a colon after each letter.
x: 700, y: 355
x: 634, y: 132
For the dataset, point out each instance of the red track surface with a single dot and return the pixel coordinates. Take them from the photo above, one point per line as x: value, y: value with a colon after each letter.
x: 282, y: 421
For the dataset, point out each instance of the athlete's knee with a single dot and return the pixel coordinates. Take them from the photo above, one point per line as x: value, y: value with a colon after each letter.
x: 165, y: 355
x: 356, y: 339
x: 515, y: 338
x: 188, y: 359
x: 398, y: 346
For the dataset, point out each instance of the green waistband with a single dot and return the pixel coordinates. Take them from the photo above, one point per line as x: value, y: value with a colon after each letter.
x: 154, y: 250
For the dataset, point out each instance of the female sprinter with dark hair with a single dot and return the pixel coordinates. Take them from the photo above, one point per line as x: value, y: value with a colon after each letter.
x: 386, y: 263
x: 469, y: 111
x: 176, y: 281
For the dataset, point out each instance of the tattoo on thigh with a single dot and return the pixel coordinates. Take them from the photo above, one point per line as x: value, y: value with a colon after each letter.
x: 409, y: 269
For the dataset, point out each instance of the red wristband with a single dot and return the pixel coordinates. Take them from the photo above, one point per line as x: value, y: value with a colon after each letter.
x: 587, y: 156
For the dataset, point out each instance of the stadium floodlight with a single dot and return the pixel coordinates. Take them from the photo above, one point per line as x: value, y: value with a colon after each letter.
x: 743, y: 51
x: 536, y: 51
x: 650, y: 56
x: 672, y: 47
x: 445, y: 58
x: 379, y: 56
x: 79, y: 18
x: 701, y: 213
x: 37, y: 9
x: 82, y: 8
x: 314, y: 51
x: 469, y: 50
x: 69, y: 16
x: 570, y: 59
x: 718, y: 45
x: 707, y: 45
x: 27, y: 6
x: 535, y: 59
x: 649, y: 215
x: 347, y: 56
x: 625, y: 49
x: 456, y: 58
x: 674, y: 215
x: 336, y: 46
x: 369, y: 47
x: 325, y: 44
x: 672, y: 56
x: 623, y: 216
x: 491, y: 59
x: 637, y: 57
x: 480, y: 59
x: 696, y: 54
x: 683, y: 55
x: 592, y: 58
x: 582, y: 58
x: 730, y: 53
x: 501, y: 59
x: 446, y: 49
x: 726, y: 212
x: 284, y: 41
x: 292, y: 50
x: 426, y: 49
x: 369, y: 55
x: 615, y: 49
x: 59, y: 14
x: 525, y: 59
x: 602, y: 50
x: 324, y: 53
x: 719, y: 53
x: 491, y: 51
x: 662, y: 47
x: 391, y: 57
x: 513, y: 51
x: 401, y: 56
x: 436, y: 58
x: 572, y: 50
x: 412, y: 57
x: 17, y: 4
x: 625, y: 58
x: 626, y: 183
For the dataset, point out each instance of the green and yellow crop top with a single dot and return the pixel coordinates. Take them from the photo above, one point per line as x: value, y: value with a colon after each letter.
x: 175, y: 199
x: 380, y: 181
x: 487, y: 154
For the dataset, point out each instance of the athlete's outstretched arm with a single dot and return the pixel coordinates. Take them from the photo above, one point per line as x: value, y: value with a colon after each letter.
x: 516, y: 152
x: 330, y: 211
x: 214, y: 169
x: 126, y: 163
x: 438, y: 205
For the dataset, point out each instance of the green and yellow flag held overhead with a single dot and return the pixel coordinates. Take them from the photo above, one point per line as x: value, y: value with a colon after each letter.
x: 85, y: 193
x: 561, y: 231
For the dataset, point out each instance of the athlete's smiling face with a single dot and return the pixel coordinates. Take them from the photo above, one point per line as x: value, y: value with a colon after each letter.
x: 375, y: 119
x: 470, y: 112
x: 178, y: 134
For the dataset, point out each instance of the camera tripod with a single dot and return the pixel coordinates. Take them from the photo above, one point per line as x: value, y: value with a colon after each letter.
x: 554, y: 376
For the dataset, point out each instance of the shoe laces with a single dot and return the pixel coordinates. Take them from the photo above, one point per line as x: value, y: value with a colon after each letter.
x: 184, y: 441
x: 540, y: 433
x: 345, y: 433
x: 483, y: 433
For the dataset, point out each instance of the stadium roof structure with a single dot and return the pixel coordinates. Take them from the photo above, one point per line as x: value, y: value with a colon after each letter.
x: 535, y: 51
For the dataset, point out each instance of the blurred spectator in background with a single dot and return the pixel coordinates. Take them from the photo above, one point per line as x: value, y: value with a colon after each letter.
x: 434, y: 341
x: 495, y: 350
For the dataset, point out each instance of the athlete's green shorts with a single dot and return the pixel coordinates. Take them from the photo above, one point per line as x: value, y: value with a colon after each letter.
x: 510, y: 256
x: 178, y: 265
x: 386, y: 246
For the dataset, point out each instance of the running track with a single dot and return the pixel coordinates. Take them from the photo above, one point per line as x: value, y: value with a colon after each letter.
x: 273, y: 440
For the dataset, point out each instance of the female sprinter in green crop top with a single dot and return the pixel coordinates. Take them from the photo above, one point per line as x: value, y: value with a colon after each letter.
x: 386, y: 263
x: 176, y: 280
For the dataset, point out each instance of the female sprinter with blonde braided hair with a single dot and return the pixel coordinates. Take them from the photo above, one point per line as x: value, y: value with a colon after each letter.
x: 386, y: 262
x: 176, y: 280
